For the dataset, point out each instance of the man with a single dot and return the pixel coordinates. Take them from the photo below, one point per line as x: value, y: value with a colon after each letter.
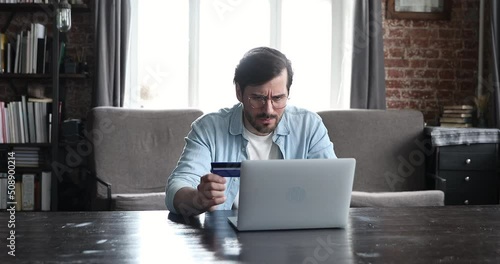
x: 260, y: 126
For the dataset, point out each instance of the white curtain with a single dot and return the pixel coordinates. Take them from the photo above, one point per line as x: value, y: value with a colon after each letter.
x: 342, y: 51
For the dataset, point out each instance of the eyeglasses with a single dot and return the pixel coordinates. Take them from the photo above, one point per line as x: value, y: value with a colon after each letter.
x: 277, y: 102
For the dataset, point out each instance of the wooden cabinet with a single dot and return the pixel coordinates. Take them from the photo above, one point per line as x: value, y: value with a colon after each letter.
x: 467, y: 173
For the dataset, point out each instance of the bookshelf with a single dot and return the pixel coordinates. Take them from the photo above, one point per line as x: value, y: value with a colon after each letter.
x: 49, y: 152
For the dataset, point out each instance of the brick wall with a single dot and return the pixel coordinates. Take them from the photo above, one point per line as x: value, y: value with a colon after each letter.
x: 430, y: 64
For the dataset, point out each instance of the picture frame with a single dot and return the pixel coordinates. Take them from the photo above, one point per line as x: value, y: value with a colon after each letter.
x: 419, y: 9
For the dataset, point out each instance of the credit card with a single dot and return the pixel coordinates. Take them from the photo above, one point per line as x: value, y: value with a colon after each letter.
x: 226, y: 169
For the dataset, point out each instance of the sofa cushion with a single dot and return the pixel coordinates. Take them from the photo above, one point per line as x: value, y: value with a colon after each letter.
x: 397, y: 199
x: 388, y: 146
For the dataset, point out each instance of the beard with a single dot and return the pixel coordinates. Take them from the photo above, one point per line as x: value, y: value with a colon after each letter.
x: 262, y: 128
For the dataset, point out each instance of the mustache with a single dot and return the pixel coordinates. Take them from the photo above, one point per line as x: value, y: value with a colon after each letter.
x: 264, y: 115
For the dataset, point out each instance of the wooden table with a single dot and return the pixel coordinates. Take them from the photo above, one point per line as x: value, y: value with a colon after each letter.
x: 451, y: 234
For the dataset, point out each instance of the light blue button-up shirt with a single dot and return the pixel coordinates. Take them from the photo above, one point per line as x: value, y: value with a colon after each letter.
x: 218, y: 137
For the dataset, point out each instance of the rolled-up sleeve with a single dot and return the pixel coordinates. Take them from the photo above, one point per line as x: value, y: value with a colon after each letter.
x: 193, y: 163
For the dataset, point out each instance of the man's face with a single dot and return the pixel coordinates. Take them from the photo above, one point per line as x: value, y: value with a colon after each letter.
x: 262, y: 119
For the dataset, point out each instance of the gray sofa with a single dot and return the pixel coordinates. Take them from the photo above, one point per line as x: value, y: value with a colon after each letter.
x: 136, y: 150
x: 390, y: 152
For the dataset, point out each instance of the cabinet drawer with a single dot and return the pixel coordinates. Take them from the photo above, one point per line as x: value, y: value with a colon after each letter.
x: 476, y: 181
x: 458, y: 198
x: 470, y: 187
x: 473, y: 148
x: 467, y: 161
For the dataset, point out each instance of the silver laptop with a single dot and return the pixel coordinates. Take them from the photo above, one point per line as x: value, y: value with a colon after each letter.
x: 294, y: 194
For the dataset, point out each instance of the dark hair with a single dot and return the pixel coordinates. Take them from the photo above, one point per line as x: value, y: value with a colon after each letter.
x: 260, y: 65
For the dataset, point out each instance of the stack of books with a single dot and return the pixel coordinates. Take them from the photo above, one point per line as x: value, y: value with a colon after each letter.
x: 32, y: 191
x: 28, y: 157
x: 28, y: 51
x: 457, y: 116
x: 26, y: 121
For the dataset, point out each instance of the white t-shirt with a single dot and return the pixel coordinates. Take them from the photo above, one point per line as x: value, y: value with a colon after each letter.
x: 259, y: 148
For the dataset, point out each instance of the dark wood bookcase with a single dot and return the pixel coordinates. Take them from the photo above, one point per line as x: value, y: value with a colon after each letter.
x: 51, y: 151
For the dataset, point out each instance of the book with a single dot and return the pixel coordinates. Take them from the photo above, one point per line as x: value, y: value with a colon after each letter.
x: 458, y: 111
x: 41, y: 123
x: 46, y: 184
x: 31, y: 122
x: 40, y: 100
x: 3, y: 44
x: 455, y: 120
x: 24, y: 117
x: 17, y: 56
x: 14, y: 120
x: 28, y: 192
x: 27, y: 156
x: 13, y: 128
x: 6, y: 125
x: 455, y: 115
x: 27, y: 58
x: 459, y: 107
x: 458, y: 125
x: 19, y: 195
x: 40, y: 42
x: 9, y: 58
x: 22, y: 52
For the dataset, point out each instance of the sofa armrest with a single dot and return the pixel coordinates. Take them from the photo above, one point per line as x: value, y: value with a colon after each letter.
x: 397, y: 199
x: 107, y: 185
x: 108, y: 190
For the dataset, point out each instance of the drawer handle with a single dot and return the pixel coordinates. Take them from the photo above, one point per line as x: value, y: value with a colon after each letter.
x: 468, y: 161
x: 467, y: 178
x: 466, y: 202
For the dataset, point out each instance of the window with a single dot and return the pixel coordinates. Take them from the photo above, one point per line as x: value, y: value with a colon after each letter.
x: 188, y: 59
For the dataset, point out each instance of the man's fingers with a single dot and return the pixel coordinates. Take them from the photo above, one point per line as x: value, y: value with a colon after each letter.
x: 211, y: 182
x: 216, y: 202
x: 211, y: 191
x: 213, y: 178
x: 205, y: 203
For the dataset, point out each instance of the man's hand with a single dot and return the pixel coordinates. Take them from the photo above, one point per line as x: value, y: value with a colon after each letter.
x: 208, y: 194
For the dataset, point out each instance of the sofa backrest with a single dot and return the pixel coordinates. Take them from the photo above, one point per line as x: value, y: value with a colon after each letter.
x: 135, y: 149
x: 388, y: 146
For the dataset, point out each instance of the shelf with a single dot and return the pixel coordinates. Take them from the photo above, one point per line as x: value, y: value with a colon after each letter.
x: 23, y: 7
x: 73, y: 76
x: 41, y: 145
x: 21, y: 170
x: 14, y: 76
x: 49, y: 153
